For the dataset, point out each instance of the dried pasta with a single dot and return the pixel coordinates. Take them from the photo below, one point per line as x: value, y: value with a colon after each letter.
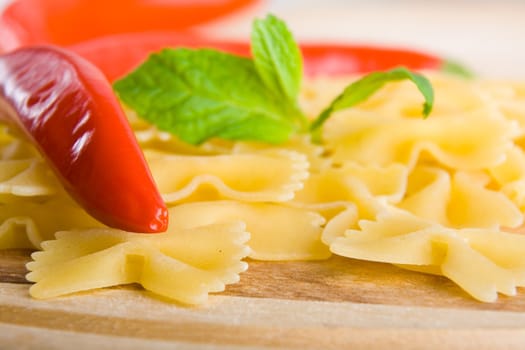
x: 464, y: 186
x: 24, y: 224
x: 442, y: 195
x: 161, y: 263
x: 277, y: 232
x: 272, y: 176
x: 460, y: 199
x: 26, y: 177
x: 481, y: 261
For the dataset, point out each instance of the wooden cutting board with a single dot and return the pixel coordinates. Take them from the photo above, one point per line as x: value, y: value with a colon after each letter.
x: 334, y: 304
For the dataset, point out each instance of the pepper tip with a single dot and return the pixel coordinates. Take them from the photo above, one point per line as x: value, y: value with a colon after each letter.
x: 160, y: 221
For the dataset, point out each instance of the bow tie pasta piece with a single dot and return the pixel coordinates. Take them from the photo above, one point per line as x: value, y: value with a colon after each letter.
x: 27, y: 178
x: 26, y: 223
x: 277, y: 232
x: 335, y: 227
x: 468, y: 129
x: 458, y: 200
x: 469, y: 141
x: 271, y: 176
x: 23, y: 173
x: 472, y: 204
x: 508, y: 97
x: 344, y: 195
x: 481, y: 261
x: 20, y: 233
x: 397, y: 238
x: 16, y: 149
x: 15, y: 146
x: 299, y: 143
x: 383, y: 182
x: 183, y: 265
x: 510, y: 176
x: 477, y: 272
x: 367, y: 188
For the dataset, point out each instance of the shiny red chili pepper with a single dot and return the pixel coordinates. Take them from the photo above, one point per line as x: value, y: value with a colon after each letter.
x: 117, y: 55
x: 67, y: 108
x: 61, y: 22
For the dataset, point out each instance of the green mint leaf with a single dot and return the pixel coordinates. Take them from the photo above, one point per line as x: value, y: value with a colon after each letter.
x: 457, y: 68
x: 200, y: 94
x: 363, y: 88
x: 277, y: 57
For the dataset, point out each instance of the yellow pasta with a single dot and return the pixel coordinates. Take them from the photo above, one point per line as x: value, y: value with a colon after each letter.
x: 272, y: 176
x: 434, y: 195
x: 161, y: 263
x: 458, y: 200
x: 481, y: 261
x: 464, y: 182
x: 335, y: 189
x: 26, y: 177
x: 509, y: 176
x: 301, y: 144
x: 453, y: 141
x: 25, y: 223
x: 277, y: 232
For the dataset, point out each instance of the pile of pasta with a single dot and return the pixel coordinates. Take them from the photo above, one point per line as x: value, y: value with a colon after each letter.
x: 442, y: 195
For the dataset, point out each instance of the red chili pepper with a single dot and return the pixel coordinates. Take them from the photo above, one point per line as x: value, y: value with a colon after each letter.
x: 30, y: 22
x: 68, y: 109
x: 145, y: 26
x: 117, y: 55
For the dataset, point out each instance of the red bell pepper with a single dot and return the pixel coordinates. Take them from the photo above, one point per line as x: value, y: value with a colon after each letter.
x: 117, y: 35
x: 67, y: 108
x: 30, y: 22
x: 116, y: 55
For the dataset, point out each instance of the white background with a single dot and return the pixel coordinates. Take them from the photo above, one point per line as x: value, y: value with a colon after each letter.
x: 488, y: 36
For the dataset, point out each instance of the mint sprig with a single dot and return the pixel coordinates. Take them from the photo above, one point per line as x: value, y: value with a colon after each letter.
x: 362, y: 89
x: 277, y: 57
x: 200, y: 94
x: 205, y: 93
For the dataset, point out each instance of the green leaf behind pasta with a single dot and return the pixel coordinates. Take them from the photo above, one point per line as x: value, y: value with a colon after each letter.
x: 363, y: 88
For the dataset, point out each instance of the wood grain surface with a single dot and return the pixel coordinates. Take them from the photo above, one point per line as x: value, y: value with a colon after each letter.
x: 337, y: 280
x: 329, y: 304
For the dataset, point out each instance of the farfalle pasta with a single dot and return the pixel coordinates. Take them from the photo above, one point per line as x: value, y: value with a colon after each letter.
x: 278, y: 232
x: 271, y: 176
x: 162, y: 263
x: 454, y: 141
x: 463, y: 187
x: 460, y: 199
x: 440, y: 195
x: 26, y: 177
x: 481, y: 261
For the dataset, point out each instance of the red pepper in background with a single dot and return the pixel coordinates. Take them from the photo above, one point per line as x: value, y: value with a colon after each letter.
x: 68, y: 109
x: 117, y: 35
x: 65, y: 22
x: 117, y: 55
